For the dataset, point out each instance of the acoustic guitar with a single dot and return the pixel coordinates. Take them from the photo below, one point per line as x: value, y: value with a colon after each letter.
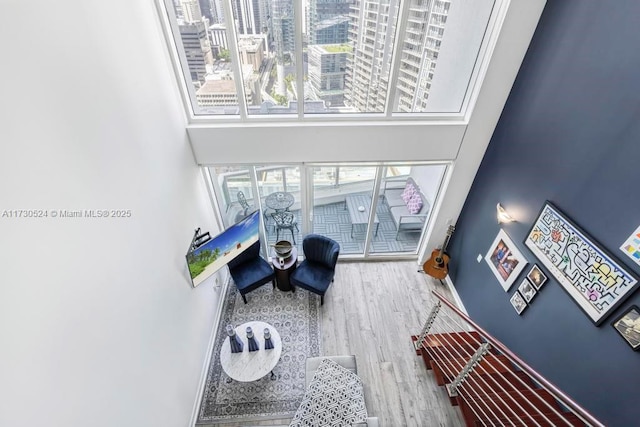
x: 438, y: 265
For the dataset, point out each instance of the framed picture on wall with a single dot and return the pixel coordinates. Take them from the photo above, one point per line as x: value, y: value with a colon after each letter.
x: 628, y: 325
x: 518, y: 302
x: 584, y: 269
x: 536, y: 277
x: 527, y: 290
x: 505, y: 261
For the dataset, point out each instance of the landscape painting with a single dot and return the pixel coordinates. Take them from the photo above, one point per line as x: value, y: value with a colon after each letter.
x: 217, y: 252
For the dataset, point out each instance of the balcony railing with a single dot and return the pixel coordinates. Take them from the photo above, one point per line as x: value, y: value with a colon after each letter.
x: 325, y: 188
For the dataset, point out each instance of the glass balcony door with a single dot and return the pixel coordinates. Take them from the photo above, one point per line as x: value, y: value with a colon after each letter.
x: 404, y: 219
x: 279, y: 190
x: 360, y: 206
x: 342, y: 205
x: 231, y: 184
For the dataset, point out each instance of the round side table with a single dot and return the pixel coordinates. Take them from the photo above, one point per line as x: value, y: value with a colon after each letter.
x: 251, y: 365
x: 283, y: 271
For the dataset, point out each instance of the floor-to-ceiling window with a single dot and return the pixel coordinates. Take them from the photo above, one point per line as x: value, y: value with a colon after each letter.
x: 279, y: 191
x: 370, y: 210
x: 231, y: 184
x: 342, y: 203
x: 250, y: 59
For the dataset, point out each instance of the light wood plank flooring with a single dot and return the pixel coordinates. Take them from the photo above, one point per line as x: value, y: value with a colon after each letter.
x: 371, y: 310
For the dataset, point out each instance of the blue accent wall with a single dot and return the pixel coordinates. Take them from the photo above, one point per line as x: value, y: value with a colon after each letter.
x: 570, y: 134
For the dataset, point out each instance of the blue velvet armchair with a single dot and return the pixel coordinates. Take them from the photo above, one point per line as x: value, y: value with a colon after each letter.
x: 250, y: 271
x: 316, y: 272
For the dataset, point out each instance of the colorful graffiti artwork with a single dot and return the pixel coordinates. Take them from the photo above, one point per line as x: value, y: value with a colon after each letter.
x: 596, y: 282
x: 631, y: 247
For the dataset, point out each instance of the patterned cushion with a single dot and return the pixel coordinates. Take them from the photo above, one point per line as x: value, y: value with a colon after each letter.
x: 409, y: 191
x: 334, y: 398
x: 415, y: 204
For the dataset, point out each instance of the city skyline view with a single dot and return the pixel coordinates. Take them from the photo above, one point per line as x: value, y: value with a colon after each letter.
x: 349, y: 56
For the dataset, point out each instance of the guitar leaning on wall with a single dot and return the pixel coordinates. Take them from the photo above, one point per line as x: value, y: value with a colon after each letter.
x: 438, y: 265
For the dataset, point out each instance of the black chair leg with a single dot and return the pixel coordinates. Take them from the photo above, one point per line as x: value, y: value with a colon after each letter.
x: 244, y: 299
x: 292, y: 236
x: 321, y: 299
x: 274, y: 283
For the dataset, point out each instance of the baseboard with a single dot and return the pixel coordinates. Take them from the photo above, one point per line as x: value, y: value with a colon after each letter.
x: 207, y: 360
x: 456, y: 297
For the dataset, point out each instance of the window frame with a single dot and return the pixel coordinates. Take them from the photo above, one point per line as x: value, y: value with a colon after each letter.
x: 178, y: 59
x: 461, y: 139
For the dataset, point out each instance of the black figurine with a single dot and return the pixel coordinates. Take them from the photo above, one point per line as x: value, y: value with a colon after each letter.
x: 268, y: 343
x: 234, y: 340
x: 253, y: 344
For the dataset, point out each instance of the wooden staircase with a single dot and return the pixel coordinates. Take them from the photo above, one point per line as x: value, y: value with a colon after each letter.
x: 495, y: 393
x: 490, y: 384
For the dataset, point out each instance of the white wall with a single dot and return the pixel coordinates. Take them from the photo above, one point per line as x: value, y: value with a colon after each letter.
x: 272, y: 142
x: 99, y: 324
x: 429, y: 179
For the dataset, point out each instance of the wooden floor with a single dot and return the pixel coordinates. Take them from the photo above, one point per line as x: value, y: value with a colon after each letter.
x: 371, y: 310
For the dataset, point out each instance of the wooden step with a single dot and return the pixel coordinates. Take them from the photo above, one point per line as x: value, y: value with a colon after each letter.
x: 447, y: 346
x: 525, y: 407
x: 446, y: 370
x: 505, y: 381
x: 548, y: 420
x: 521, y: 402
x: 491, y: 383
x: 462, y: 337
x: 457, y: 351
x: 537, y: 420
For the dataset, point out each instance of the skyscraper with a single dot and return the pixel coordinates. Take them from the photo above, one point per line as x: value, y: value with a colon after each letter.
x: 327, y: 67
x: 247, y: 16
x: 206, y: 9
x: 283, y: 26
x: 197, y: 49
x: 331, y: 31
x: 321, y: 10
x: 420, y: 49
x: 191, y: 11
x: 372, y: 33
x: 217, y: 12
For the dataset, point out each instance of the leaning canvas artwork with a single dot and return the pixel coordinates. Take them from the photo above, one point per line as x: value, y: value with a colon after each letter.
x: 595, y: 281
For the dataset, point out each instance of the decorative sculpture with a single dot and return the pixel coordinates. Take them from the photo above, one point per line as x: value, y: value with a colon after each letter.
x: 234, y: 340
x: 268, y: 343
x: 253, y: 344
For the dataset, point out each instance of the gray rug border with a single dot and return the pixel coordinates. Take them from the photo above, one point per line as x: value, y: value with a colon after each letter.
x: 214, y: 370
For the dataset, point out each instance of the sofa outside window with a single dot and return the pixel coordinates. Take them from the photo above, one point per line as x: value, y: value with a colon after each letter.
x: 407, y: 204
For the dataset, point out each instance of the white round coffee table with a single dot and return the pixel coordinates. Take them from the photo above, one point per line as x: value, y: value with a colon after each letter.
x: 251, y: 365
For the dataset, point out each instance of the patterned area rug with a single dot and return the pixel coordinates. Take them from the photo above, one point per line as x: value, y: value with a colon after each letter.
x: 334, y: 398
x: 296, y: 318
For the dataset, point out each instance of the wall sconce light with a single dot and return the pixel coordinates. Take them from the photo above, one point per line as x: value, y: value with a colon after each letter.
x: 503, y: 215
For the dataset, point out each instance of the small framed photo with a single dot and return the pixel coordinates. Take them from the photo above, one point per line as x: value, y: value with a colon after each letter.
x: 536, y: 276
x: 505, y: 261
x: 527, y: 290
x: 628, y: 325
x: 518, y: 303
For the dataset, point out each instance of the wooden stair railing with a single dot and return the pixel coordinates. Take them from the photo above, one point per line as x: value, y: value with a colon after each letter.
x: 490, y: 384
